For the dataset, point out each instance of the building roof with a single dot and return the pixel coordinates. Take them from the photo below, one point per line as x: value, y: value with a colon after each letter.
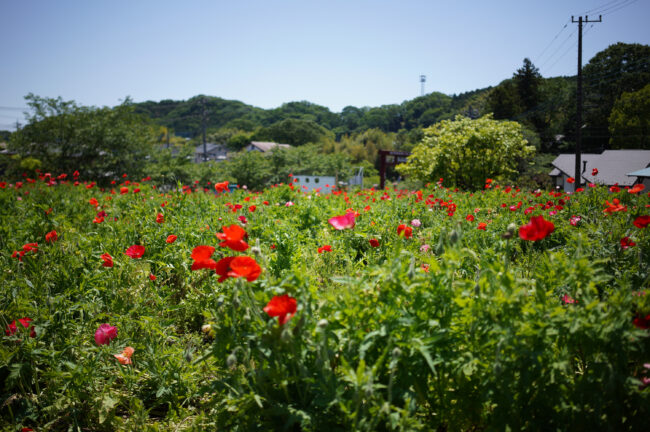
x: 641, y: 173
x: 612, y: 165
x: 210, y: 148
x: 267, y: 146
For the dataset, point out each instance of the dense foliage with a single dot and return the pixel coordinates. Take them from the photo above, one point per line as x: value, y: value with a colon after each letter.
x: 434, y: 309
x: 465, y: 152
x: 62, y: 136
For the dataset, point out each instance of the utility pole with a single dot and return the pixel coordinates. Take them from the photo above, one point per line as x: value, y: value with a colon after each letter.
x: 203, y: 121
x: 578, y: 173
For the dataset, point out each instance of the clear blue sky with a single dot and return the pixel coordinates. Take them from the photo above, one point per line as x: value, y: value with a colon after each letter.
x: 264, y: 53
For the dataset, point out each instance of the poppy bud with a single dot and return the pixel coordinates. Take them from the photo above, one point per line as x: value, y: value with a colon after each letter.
x: 396, y: 353
x: 206, y: 328
x: 256, y: 250
x: 323, y: 323
x: 231, y: 361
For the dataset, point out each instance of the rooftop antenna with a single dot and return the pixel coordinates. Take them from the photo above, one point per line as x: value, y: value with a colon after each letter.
x: 423, y: 79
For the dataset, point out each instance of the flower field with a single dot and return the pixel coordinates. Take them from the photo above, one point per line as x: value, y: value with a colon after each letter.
x: 128, y: 308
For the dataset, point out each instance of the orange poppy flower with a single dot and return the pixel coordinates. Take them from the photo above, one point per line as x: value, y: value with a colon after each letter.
x: 221, y: 187
x: 125, y: 357
x: 637, y: 188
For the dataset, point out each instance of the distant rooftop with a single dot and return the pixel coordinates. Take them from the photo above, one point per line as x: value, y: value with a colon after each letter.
x: 266, y: 146
x: 613, y: 166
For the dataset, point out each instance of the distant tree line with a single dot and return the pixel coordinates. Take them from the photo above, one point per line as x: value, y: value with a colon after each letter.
x: 158, y: 138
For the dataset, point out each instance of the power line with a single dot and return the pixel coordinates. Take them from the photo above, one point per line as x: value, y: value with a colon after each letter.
x: 8, y: 108
x: 539, y: 57
x: 558, y: 49
x: 621, y: 7
x: 600, y: 8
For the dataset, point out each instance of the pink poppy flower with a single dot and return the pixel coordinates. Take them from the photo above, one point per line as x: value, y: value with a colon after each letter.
x: 345, y: 221
x: 104, y: 334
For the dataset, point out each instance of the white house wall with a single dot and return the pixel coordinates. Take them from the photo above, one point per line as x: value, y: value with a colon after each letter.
x: 308, y: 183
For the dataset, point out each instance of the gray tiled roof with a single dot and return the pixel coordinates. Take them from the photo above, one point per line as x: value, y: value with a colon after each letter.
x: 267, y: 146
x: 613, y: 165
x: 209, y: 147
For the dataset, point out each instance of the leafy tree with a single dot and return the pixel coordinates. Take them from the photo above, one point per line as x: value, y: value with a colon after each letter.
x: 465, y: 152
x: 103, y: 142
x: 629, y: 122
x: 527, y: 80
x: 503, y: 101
x: 294, y: 132
x: 619, y: 68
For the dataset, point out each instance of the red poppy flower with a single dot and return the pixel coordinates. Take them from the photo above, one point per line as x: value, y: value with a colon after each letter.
x: 252, y: 209
x: 98, y: 219
x: 575, y: 220
x: 171, y: 238
x: 567, y: 299
x: 469, y: 218
x: 124, y: 190
x: 104, y: 334
x: 283, y: 307
x: 627, y: 243
x: 135, y: 251
x: 201, y: 255
x: 537, y: 229
x: 407, y: 231
x: 233, y: 238
x: 614, y: 189
x: 642, y: 221
x: 636, y: 189
x: 642, y: 322
x: 481, y: 226
x: 345, y: 221
x: 93, y: 202
x: 29, y: 247
x: 615, y: 206
x: 12, y: 328
x: 160, y: 218
x: 374, y: 242
x: 325, y: 248
x: 125, y: 356
x: 570, y: 180
x: 51, y: 237
x: 241, y: 266
x: 594, y: 172
x: 221, y: 187
x: 108, y: 260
